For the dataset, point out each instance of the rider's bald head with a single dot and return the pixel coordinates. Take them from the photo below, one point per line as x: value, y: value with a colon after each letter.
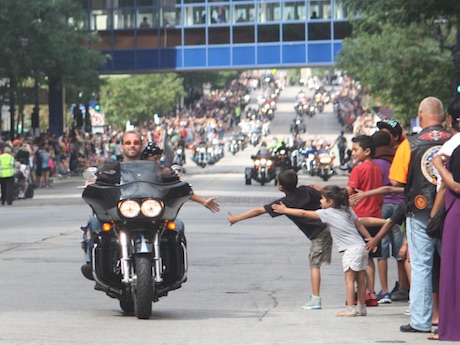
x: 430, y: 112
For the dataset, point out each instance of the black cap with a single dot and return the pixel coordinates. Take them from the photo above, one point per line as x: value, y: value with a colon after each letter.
x: 392, y: 125
x: 152, y: 149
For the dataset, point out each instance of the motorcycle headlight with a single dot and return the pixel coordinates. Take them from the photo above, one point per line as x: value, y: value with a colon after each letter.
x: 282, y: 152
x: 263, y: 161
x: 202, y: 149
x: 129, y: 208
x: 151, y: 208
x: 325, y: 160
x: 179, y: 151
x: 269, y: 162
x: 257, y: 162
x: 233, y: 141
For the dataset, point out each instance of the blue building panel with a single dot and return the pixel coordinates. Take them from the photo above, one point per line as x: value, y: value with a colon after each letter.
x: 124, y: 60
x: 294, y: 53
x: 337, y: 47
x: 170, y: 59
x: 205, y: 34
x: 195, y: 57
x: 269, y: 55
x: 244, y: 56
x: 148, y: 59
x: 220, y: 56
x: 319, y: 53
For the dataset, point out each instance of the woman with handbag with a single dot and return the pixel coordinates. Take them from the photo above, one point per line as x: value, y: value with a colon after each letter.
x: 449, y: 309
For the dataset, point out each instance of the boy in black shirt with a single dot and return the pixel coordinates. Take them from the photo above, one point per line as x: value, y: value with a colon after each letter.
x: 306, y: 198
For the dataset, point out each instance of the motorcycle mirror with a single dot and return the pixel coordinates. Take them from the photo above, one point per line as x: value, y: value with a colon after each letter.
x: 90, y: 173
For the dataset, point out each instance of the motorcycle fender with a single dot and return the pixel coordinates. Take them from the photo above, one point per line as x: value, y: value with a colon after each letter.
x: 143, y: 246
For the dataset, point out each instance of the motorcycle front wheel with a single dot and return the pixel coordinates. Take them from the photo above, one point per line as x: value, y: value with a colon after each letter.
x: 143, y: 287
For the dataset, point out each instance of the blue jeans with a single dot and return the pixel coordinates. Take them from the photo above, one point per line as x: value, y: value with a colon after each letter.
x: 395, y: 237
x: 421, y: 251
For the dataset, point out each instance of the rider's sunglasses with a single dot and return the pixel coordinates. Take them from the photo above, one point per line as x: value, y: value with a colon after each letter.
x: 134, y: 142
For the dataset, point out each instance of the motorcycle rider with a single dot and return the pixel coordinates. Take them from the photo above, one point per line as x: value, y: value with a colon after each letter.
x: 131, y: 150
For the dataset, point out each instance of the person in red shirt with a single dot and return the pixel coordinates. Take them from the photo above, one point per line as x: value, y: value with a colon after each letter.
x: 366, y: 176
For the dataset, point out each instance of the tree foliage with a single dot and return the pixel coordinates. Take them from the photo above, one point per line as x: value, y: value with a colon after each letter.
x: 41, y: 39
x: 395, y: 50
x: 399, y: 66
x: 139, y: 97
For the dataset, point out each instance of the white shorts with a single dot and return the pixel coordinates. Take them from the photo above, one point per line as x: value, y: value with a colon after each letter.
x: 355, y: 258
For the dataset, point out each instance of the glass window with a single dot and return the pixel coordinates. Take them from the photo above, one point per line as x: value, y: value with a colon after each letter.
x: 269, y: 12
x: 268, y: 33
x: 243, y: 34
x: 319, y: 31
x: 171, y: 16
x: 123, y: 3
x: 170, y: 37
x: 294, y: 10
x: 147, y: 18
x: 146, y: 2
x: 194, y: 36
x: 243, y: 13
x: 219, y: 35
x: 194, y: 15
x: 123, y: 19
x: 100, y: 20
x: 319, y: 9
x: 293, y: 32
x: 219, y: 14
x: 340, y: 12
x: 101, y: 4
x: 194, y: 1
x: 342, y: 30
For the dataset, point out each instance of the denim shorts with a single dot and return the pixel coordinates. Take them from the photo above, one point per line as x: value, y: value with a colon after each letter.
x: 395, y: 236
x: 321, y: 249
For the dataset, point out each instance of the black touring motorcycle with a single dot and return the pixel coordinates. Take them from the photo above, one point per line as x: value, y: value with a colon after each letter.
x: 141, y: 253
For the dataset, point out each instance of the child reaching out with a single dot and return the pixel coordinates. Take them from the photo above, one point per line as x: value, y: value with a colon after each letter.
x: 344, y: 226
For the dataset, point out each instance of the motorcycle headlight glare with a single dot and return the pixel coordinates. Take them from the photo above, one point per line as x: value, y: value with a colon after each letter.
x: 257, y: 162
x: 325, y: 160
x: 263, y: 161
x: 202, y: 149
x: 129, y: 208
x: 151, y: 208
x: 179, y: 151
x: 269, y: 162
x: 283, y: 152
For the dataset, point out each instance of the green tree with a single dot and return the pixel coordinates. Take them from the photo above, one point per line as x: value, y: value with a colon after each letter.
x: 139, y: 97
x: 44, y: 40
x: 398, y: 50
x: 400, y: 66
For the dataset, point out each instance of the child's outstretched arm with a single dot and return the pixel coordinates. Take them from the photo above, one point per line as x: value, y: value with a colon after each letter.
x: 296, y: 212
x: 246, y: 215
x: 384, y: 190
x: 209, y: 203
x: 363, y: 231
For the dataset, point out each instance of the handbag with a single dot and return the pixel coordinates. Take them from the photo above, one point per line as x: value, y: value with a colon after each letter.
x: 435, y: 225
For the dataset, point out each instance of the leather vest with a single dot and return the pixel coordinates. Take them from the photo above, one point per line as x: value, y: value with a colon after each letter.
x: 420, y: 190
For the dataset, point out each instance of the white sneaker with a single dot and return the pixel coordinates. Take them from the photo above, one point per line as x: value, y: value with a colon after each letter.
x: 407, y: 312
x: 314, y: 303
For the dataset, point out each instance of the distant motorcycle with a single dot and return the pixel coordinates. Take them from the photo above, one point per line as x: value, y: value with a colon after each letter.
x: 264, y: 170
x: 201, y: 156
x: 298, y: 127
x: 324, y: 165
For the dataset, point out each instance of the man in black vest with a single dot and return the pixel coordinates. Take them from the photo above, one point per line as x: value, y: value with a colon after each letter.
x: 412, y: 168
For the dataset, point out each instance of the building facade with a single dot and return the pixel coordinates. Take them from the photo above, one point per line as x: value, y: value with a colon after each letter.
x: 181, y: 35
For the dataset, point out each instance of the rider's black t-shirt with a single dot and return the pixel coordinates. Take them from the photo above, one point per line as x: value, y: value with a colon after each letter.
x: 306, y: 198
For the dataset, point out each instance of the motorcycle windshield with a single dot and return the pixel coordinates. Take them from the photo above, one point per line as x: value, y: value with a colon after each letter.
x: 140, y: 171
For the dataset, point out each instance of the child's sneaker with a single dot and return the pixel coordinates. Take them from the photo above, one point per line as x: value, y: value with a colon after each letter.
x: 371, y: 300
x: 361, y: 310
x: 386, y: 298
x: 313, y: 303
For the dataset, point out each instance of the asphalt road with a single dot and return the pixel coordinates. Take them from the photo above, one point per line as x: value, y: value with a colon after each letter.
x: 245, y: 285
